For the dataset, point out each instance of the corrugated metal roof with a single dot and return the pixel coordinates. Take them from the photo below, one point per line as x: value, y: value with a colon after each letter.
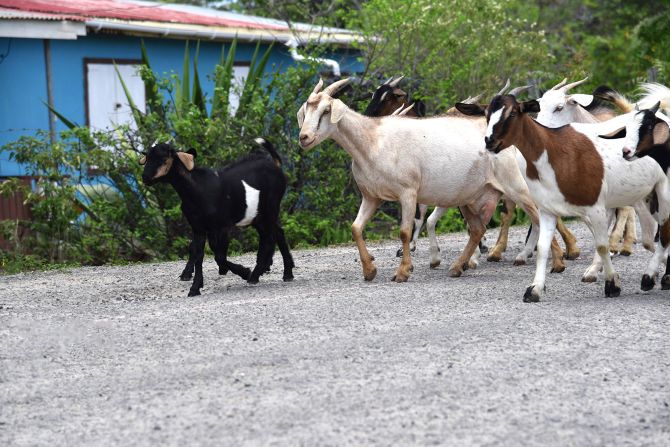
x: 133, y: 10
x: 145, y: 17
x: 31, y: 15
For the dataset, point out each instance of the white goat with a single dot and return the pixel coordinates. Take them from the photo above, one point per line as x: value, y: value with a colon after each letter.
x: 558, y: 108
x: 439, y: 161
x: 571, y: 172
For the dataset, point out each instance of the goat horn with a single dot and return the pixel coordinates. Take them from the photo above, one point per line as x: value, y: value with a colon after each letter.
x: 396, y: 81
x: 335, y: 86
x: 388, y: 80
x: 472, y: 99
x: 154, y: 143
x: 505, y: 87
x: 519, y: 90
x: 574, y: 84
x: 318, y: 87
x: 398, y: 110
x: 559, y: 85
x: 404, y: 112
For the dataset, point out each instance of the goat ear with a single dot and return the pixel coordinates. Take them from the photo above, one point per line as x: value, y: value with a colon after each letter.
x: 531, y: 106
x: 618, y: 133
x: 661, y: 133
x: 582, y: 99
x: 187, y: 159
x: 143, y: 160
x: 470, y: 109
x: 301, y: 115
x: 192, y: 152
x: 399, y: 92
x: 337, y: 109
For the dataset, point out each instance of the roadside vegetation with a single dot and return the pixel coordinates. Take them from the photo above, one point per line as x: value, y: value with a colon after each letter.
x: 90, y: 207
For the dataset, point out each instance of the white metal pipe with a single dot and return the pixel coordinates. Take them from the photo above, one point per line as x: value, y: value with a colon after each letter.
x: 333, y: 64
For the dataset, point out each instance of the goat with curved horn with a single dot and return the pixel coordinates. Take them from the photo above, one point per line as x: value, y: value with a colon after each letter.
x: 516, y: 91
x: 560, y: 84
x: 394, y: 83
x: 505, y: 87
x: 335, y: 86
x: 318, y: 87
x: 574, y: 84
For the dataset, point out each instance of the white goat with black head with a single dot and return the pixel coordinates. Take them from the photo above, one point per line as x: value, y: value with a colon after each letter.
x: 557, y: 108
x: 440, y: 161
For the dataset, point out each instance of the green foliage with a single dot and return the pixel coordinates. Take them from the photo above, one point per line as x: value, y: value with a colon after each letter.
x: 91, y: 207
x: 452, y: 49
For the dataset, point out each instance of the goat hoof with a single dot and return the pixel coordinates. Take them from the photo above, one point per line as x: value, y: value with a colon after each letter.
x: 519, y: 262
x: 435, y: 264
x: 558, y: 268
x: 494, y: 257
x: 589, y: 278
x: 370, y: 274
x: 647, y: 282
x: 571, y: 255
x: 613, y: 287
x: 483, y: 248
x: 398, y: 254
x: 288, y: 278
x: 245, y: 274
x: 626, y: 252
x: 531, y: 295
x: 399, y: 277
x: 471, y: 265
x: 186, y: 277
x: 665, y: 282
x: 252, y: 281
x: 223, y: 270
x: 194, y: 292
x: 455, y: 272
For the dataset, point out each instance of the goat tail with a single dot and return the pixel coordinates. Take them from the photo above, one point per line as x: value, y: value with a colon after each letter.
x: 616, y: 98
x: 271, y: 149
x: 653, y: 93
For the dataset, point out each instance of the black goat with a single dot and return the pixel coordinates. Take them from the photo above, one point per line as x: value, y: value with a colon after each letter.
x: 246, y: 192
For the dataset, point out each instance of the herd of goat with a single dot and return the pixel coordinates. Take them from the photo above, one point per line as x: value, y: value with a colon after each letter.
x: 574, y: 158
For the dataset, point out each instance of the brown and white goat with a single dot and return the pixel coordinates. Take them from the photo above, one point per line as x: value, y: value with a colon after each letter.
x: 571, y: 173
x: 440, y: 161
x: 557, y: 108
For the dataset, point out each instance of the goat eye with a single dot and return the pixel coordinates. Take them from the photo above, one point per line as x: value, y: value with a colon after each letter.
x: 559, y: 108
x: 327, y: 110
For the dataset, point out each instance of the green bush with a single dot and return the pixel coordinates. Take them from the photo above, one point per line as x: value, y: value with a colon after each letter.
x: 91, y: 207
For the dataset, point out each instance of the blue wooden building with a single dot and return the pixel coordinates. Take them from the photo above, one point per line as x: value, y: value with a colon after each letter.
x: 62, y: 53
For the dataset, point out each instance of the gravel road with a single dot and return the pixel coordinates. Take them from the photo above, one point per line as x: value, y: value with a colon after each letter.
x: 119, y: 355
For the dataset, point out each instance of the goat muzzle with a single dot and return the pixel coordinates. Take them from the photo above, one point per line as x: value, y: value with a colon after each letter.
x: 492, y: 145
x: 628, y: 153
x: 305, y: 140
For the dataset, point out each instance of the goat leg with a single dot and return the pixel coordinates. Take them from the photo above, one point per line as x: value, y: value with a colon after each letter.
x: 507, y: 214
x: 266, y: 247
x: 368, y: 207
x: 197, y: 253
x: 187, y: 273
x: 285, y: 252
x: 407, y: 205
x: 572, y: 251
